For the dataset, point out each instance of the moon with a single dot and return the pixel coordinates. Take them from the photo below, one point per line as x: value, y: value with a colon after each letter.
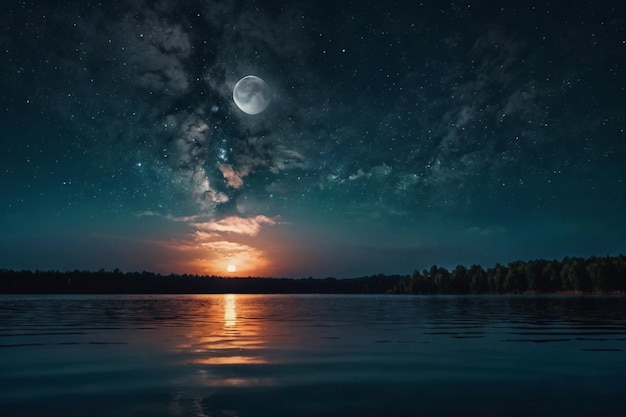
x: 252, y: 95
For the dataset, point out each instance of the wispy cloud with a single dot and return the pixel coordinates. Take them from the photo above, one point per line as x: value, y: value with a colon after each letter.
x: 238, y: 225
x: 156, y: 52
x: 210, y: 227
x: 184, y: 219
x: 213, y: 245
x: 485, y: 231
x: 376, y: 173
x: 210, y: 245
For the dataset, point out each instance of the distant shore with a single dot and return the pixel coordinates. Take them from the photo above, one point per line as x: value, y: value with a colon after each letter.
x: 575, y: 276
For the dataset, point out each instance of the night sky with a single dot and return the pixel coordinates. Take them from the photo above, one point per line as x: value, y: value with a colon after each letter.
x: 400, y: 135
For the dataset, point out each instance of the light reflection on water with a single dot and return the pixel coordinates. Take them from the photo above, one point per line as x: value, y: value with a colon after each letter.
x: 222, y: 342
x: 230, y: 310
x: 248, y: 355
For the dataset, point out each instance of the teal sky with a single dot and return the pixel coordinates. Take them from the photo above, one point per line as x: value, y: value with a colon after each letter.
x: 399, y: 135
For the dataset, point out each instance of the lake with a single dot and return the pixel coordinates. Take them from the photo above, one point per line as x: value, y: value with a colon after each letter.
x: 312, y: 355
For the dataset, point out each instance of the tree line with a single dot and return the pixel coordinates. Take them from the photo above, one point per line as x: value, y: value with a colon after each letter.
x: 569, y: 275
x: 117, y: 282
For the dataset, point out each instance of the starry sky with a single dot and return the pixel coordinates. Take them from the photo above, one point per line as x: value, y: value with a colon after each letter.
x: 400, y: 134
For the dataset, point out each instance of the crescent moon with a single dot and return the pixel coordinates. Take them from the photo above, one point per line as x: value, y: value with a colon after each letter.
x: 252, y: 95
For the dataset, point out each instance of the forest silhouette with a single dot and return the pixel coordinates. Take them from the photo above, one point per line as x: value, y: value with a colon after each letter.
x: 598, y: 275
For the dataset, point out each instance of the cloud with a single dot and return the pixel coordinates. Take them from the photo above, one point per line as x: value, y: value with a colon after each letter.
x: 184, y: 219
x: 359, y: 174
x: 522, y: 101
x: 211, y: 228
x: 200, y: 236
x: 464, y: 136
x: 266, y: 151
x: 191, y: 137
x: 162, y: 67
x: 156, y: 50
x: 485, y: 231
x: 234, y: 178
x: 159, y: 46
x: 286, y: 159
x: 208, y: 251
x: 150, y: 50
x: 148, y: 213
x: 376, y: 173
x: 236, y: 225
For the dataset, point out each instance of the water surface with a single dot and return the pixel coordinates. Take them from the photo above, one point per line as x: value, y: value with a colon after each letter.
x: 296, y: 355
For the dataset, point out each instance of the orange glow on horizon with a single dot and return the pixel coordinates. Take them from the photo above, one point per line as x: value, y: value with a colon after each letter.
x: 240, y: 257
x: 220, y: 258
x: 230, y: 268
x: 234, y: 246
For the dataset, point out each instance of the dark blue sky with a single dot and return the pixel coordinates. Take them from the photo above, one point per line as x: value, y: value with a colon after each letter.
x: 400, y: 135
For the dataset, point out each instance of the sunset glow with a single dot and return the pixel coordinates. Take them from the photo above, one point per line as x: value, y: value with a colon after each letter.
x: 200, y: 254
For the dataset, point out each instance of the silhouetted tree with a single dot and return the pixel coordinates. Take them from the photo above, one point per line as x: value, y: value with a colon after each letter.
x: 478, y: 280
x: 594, y: 274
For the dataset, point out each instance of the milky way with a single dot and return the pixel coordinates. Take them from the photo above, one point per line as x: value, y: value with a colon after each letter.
x: 399, y: 135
